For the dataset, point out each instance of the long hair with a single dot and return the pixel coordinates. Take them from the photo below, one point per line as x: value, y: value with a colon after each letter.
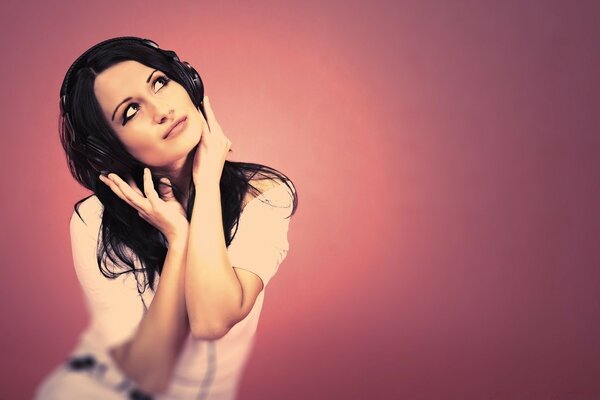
x: 124, y: 234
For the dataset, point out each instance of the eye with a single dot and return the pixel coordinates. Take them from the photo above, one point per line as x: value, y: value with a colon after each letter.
x: 164, y: 79
x: 126, y: 117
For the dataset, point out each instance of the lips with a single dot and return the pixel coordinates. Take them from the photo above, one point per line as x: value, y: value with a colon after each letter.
x: 180, y: 120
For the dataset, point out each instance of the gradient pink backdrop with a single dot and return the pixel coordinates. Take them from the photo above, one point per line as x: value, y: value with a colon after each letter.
x: 446, y: 156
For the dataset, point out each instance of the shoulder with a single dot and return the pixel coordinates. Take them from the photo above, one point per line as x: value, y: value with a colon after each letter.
x: 87, y: 216
x: 273, y: 192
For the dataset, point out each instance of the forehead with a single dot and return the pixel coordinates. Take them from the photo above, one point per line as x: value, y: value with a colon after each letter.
x: 119, y: 81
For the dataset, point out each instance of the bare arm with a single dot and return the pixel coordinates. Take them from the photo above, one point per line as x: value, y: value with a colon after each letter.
x: 150, y: 356
x: 217, y: 294
x: 212, y: 289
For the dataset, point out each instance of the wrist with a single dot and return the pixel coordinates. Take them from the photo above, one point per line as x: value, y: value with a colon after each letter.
x: 204, y: 177
x: 178, y: 239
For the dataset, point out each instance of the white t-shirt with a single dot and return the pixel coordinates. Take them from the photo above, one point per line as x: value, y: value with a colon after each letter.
x: 211, y: 367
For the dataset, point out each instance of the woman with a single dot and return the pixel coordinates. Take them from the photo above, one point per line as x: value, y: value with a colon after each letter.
x: 168, y: 213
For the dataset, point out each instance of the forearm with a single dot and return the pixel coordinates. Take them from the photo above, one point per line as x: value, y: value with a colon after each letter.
x: 149, y: 357
x: 212, y: 290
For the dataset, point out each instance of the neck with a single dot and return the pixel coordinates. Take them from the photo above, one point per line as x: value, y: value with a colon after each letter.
x: 180, y: 174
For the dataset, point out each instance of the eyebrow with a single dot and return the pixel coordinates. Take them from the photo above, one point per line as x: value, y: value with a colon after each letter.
x: 129, y: 98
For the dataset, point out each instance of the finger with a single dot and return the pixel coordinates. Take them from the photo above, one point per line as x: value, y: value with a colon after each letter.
x: 210, y: 115
x: 165, y: 189
x: 149, y: 190
x: 144, y: 216
x: 134, y: 185
x: 133, y: 198
x: 113, y: 186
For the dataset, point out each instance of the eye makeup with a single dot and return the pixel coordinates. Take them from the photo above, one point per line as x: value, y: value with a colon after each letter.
x: 162, y: 78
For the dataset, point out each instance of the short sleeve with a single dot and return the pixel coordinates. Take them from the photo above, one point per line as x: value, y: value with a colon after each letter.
x: 114, y: 304
x: 261, y: 242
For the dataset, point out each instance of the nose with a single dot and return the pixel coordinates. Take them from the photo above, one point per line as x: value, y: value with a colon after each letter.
x: 162, y: 112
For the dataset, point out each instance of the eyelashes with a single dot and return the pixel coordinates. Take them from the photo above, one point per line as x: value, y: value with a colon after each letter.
x: 165, y: 81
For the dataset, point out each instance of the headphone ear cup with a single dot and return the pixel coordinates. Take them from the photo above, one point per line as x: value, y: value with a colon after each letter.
x: 97, y: 153
x: 196, y: 82
x: 197, y: 86
x: 192, y: 79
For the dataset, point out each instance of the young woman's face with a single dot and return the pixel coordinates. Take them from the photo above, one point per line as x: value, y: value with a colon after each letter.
x: 141, y: 104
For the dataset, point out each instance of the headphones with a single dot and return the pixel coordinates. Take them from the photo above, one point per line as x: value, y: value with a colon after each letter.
x: 96, y: 150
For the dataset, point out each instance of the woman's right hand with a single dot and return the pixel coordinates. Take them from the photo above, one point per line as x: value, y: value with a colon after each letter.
x: 168, y: 215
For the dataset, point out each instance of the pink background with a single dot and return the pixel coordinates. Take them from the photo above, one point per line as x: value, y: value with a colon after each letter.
x: 446, y: 156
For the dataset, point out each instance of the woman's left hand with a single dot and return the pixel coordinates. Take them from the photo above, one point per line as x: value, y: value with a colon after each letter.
x: 211, y: 151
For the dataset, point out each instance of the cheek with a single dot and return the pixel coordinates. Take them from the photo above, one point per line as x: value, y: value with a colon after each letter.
x: 135, y: 141
x: 199, y: 121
